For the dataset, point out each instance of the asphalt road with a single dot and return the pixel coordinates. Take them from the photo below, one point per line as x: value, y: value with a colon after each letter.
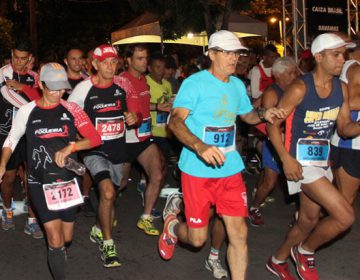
x: 22, y: 257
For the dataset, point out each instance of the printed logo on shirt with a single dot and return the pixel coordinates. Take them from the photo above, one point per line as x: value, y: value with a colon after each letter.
x: 107, y: 107
x: 93, y: 97
x: 46, y: 133
x: 29, y: 79
x: 65, y: 117
x: 36, y: 121
x: 118, y: 92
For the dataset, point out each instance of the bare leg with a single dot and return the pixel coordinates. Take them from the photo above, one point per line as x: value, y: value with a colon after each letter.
x: 347, y: 184
x: 237, y: 253
x: 265, y: 187
x: 106, y: 206
x: 153, y: 163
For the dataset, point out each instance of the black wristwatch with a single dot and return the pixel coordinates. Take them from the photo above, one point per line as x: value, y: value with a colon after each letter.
x: 261, y: 113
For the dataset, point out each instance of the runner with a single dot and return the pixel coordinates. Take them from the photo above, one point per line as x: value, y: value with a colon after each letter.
x: 285, y: 71
x: 104, y: 102
x: 203, y: 119
x: 138, y: 144
x: 50, y: 125
x: 345, y: 152
x: 18, y: 86
x: 74, y: 60
x: 312, y: 103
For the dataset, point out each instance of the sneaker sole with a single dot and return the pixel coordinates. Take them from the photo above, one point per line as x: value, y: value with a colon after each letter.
x: 147, y: 232
x: 294, y: 260
x: 272, y: 271
x: 209, y: 269
x: 113, y: 264
x: 33, y: 236
x: 8, y: 228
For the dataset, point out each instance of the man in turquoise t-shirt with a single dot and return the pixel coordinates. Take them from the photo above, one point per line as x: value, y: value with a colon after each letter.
x: 203, y: 119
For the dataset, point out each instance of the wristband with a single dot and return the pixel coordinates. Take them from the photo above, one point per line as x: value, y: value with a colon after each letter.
x: 261, y: 112
x: 73, y: 147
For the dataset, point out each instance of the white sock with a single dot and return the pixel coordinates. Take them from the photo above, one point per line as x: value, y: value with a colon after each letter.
x: 214, y: 254
x: 97, y: 230
x: 108, y: 242
x: 302, y: 251
x: 276, y: 261
x: 145, y: 216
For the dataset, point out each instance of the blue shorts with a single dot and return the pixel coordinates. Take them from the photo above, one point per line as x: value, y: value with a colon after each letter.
x: 270, y: 158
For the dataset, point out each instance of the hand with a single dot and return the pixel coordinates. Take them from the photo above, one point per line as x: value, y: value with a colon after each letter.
x: 272, y: 113
x: 292, y: 169
x: 14, y: 85
x: 210, y: 154
x: 2, y: 172
x: 164, y: 107
x: 61, y: 155
x: 130, y: 118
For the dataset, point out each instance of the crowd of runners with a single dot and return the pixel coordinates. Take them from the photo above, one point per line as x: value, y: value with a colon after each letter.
x: 223, y: 115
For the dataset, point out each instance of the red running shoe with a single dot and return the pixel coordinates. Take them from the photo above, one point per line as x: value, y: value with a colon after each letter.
x: 279, y: 270
x: 167, y: 241
x: 305, y: 265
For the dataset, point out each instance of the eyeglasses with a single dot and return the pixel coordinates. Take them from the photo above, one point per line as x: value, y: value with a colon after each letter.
x: 232, y: 53
x: 61, y: 91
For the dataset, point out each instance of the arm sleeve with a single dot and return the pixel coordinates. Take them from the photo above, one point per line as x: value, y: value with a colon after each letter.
x: 83, y: 123
x: 255, y: 82
x: 79, y: 93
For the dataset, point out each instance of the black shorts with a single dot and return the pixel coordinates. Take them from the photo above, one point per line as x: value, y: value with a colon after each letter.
x: 38, y: 202
x: 18, y: 156
x: 133, y: 150
x: 348, y: 159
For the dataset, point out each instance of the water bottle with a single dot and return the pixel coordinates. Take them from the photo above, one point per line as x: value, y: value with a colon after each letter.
x: 74, y: 166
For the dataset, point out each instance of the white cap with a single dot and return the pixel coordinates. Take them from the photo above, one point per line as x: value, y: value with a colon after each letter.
x: 329, y: 41
x: 54, y: 76
x: 225, y: 40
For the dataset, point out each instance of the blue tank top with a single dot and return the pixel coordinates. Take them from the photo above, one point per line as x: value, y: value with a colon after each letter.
x: 314, y: 117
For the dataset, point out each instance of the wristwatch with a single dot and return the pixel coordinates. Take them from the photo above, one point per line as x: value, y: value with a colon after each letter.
x: 261, y: 113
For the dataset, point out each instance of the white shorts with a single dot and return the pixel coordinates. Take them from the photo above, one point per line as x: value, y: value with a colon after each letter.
x: 310, y: 174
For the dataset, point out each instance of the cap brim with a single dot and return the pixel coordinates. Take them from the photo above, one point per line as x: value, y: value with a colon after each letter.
x: 58, y: 85
x: 348, y: 45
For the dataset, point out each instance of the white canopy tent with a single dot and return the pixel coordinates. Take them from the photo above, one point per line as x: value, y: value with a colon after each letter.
x: 146, y: 29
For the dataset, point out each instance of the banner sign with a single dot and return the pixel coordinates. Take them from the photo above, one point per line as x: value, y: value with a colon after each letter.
x: 326, y: 16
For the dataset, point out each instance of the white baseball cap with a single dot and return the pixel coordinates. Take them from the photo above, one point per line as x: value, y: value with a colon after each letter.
x: 225, y: 40
x: 54, y: 76
x: 329, y: 41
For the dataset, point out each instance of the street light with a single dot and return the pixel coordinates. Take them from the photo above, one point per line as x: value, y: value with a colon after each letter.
x: 275, y: 19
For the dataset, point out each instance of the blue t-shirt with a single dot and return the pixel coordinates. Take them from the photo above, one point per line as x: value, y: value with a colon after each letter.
x: 213, y: 107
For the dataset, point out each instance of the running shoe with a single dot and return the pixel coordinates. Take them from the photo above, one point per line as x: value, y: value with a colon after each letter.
x: 167, y: 241
x: 88, y: 208
x: 96, y: 237
x: 215, y: 266
x: 7, y: 221
x: 109, y: 256
x: 147, y: 225
x: 172, y: 206
x: 156, y: 214
x: 279, y: 270
x: 305, y: 265
x: 256, y: 218
x: 34, y: 230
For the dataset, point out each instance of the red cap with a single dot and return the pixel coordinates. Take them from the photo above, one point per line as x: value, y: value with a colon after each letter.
x: 104, y: 51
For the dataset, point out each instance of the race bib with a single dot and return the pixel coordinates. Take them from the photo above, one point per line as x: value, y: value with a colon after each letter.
x: 110, y: 128
x: 221, y: 137
x: 62, y: 195
x: 145, y: 128
x: 161, y: 118
x: 313, y: 152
